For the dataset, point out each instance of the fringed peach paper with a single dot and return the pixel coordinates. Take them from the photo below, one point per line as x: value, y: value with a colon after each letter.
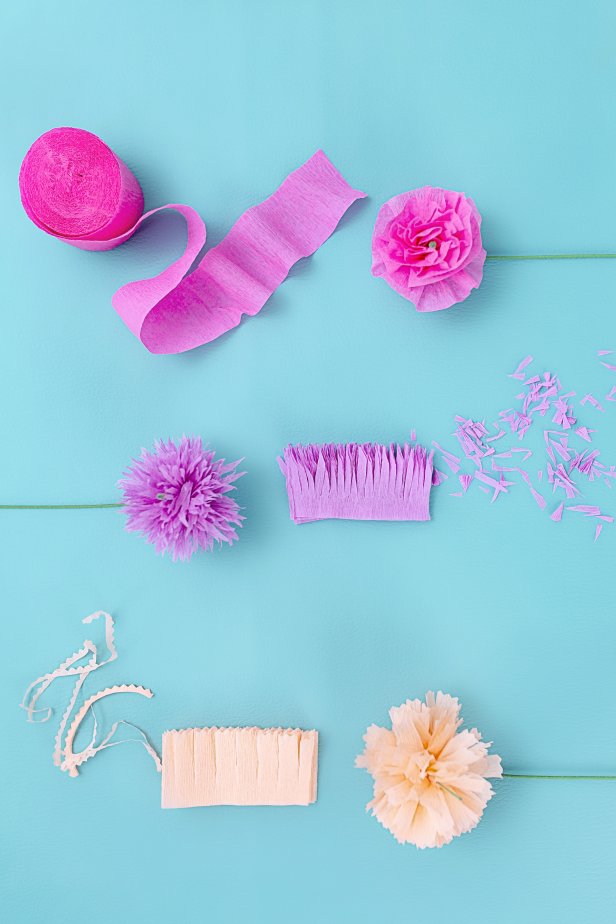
x: 239, y: 766
x: 357, y: 481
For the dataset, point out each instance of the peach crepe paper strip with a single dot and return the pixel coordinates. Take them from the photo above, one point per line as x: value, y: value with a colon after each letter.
x: 75, y: 188
x: 239, y: 766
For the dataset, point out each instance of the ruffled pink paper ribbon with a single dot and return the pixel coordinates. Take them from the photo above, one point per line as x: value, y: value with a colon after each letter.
x: 75, y: 188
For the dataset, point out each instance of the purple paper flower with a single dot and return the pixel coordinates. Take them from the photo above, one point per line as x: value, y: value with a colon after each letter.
x: 427, y: 246
x: 177, y: 498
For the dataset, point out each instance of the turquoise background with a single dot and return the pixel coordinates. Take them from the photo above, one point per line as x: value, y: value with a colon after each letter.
x: 329, y: 624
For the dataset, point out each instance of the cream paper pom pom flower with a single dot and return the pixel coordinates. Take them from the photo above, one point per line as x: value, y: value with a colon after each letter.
x: 430, y: 780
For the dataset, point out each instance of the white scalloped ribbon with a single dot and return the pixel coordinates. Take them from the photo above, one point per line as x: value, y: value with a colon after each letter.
x: 80, y: 665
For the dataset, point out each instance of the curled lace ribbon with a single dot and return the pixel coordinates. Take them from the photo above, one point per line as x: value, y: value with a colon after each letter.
x: 77, y: 666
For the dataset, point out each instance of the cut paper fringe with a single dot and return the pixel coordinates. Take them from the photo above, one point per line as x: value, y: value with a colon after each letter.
x: 239, y: 766
x: 75, y: 188
x: 357, y: 481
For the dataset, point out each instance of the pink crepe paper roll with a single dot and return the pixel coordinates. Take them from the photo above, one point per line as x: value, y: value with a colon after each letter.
x: 75, y: 188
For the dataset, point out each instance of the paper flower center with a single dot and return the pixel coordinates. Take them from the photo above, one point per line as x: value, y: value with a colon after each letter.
x: 421, y: 766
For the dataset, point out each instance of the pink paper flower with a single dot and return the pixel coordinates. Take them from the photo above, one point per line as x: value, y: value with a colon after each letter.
x: 178, y: 498
x: 427, y: 246
x: 430, y: 780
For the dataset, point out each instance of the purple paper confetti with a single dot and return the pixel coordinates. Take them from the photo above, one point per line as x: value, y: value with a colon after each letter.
x: 541, y: 396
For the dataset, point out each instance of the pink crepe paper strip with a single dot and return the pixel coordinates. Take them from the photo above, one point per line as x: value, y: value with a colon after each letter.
x: 357, y: 481
x: 75, y: 188
x: 239, y: 766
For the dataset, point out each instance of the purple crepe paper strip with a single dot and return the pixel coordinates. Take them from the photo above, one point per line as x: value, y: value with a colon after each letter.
x: 357, y: 481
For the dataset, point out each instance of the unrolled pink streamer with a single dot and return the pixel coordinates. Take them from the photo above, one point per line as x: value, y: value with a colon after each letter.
x: 76, y: 189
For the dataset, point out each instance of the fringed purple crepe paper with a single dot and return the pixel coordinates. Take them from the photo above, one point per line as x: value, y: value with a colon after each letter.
x: 438, y: 477
x: 357, y: 481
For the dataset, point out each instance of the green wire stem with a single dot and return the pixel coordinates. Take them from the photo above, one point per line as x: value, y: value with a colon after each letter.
x: 551, y: 256
x: 556, y: 776
x: 58, y: 506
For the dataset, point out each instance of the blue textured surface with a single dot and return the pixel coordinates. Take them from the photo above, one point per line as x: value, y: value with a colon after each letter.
x: 323, y: 625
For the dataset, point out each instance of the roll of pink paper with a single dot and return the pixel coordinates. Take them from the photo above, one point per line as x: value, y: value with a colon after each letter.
x: 75, y: 188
